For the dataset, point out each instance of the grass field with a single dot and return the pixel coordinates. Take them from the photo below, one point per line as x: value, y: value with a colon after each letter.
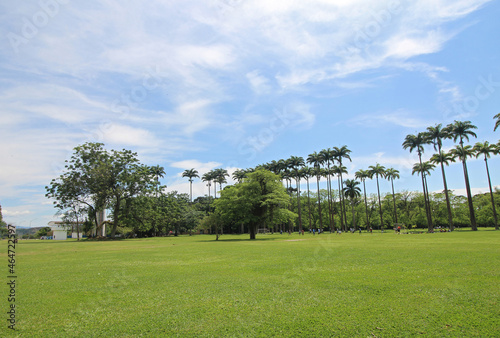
x: 384, y: 285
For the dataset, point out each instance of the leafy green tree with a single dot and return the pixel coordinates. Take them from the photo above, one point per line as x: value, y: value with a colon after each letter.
x: 190, y: 174
x: 96, y: 179
x: 378, y: 171
x: 486, y: 149
x: 259, y: 200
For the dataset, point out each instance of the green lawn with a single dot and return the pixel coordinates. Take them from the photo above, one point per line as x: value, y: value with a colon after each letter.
x: 384, y: 285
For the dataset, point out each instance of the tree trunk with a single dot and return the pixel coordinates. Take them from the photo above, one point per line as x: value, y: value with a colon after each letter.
x: 469, y: 198
x: 491, y: 194
x: 309, y: 203
x: 380, y: 206
x: 342, y: 225
x: 298, y: 205
x: 319, y: 205
x: 394, y: 200
x: 366, y: 206
x: 448, y: 206
x: 252, y: 229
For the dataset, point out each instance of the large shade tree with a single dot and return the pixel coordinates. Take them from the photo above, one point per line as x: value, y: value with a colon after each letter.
x: 259, y: 200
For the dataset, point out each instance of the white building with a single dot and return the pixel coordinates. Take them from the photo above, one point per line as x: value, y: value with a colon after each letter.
x: 59, y: 230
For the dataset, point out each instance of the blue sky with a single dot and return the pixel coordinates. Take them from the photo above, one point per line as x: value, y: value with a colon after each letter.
x: 236, y: 83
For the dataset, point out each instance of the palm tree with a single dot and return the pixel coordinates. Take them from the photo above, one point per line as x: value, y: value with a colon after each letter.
x: 424, y: 169
x: 417, y: 142
x: 315, y: 160
x: 296, y: 163
x: 220, y: 177
x: 352, y: 191
x: 337, y: 169
x: 487, y: 149
x: 307, y: 173
x: 190, y: 173
x: 208, y: 177
x: 239, y: 175
x: 445, y: 158
x: 327, y: 156
x: 462, y: 130
x: 497, y: 123
x: 392, y: 174
x: 378, y: 170
x: 158, y: 172
x: 339, y: 154
x: 362, y: 175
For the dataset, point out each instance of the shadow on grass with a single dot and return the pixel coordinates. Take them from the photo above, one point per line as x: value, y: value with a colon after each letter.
x: 236, y: 239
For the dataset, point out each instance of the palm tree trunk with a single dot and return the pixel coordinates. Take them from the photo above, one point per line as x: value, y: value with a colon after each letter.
x: 319, y: 205
x: 332, y: 225
x: 394, y: 200
x: 427, y: 204
x: 448, y: 206
x: 328, y: 189
x: 366, y: 205
x: 491, y: 194
x: 343, y: 200
x: 340, y: 209
x: 309, y: 202
x: 380, y: 206
x: 469, y: 198
x: 298, y: 205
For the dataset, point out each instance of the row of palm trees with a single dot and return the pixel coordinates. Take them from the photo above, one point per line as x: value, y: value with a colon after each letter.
x: 329, y: 163
x: 458, y: 131
x: 213, y: 176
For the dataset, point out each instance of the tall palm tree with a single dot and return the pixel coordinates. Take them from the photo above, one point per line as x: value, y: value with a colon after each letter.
x: 436, y: 135
x: 445, y: 158
x: 190, y: 174
x: 417, y: 142
x: 158, y: 172
x: 208, y: 177
x: 378, y: 170
x: 327, y: 156
x: 362, y: 175
x: 391, y: 174
x: 462, y: 130
x: 338, y: 170
x: 296, y: 163
x: 497, y: 123
x: 239, y: 175
x: 424, y: 169
x: 220, y: 177
x: 307, y: 173
x: 352, y: 191
x: 462, y: 153
x: 340, y: 154
x: 487, y: 149
x: 315, y: 160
